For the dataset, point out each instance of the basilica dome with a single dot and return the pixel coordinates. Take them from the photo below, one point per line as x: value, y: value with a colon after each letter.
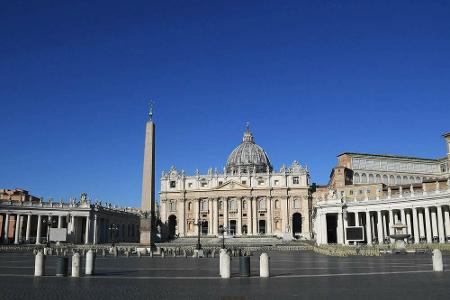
x: 248, y: 156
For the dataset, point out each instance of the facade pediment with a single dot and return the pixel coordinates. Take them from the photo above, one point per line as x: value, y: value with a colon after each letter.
x: 232, y: 185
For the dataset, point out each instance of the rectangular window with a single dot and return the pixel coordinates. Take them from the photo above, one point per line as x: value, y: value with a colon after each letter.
x: 260, y: 182
x: 275, y: 182
x: 190, y: 184
x: 244, y: 182
x: 220, y: 182
x: 351, y: 192
x: 204, y: 184
x: 172, y: 184
x: 295, y: 180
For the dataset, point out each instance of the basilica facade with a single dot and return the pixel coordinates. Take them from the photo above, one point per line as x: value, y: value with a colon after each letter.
x: 247, y: 198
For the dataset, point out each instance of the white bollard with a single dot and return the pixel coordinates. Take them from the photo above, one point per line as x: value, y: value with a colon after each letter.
x: 76, y: 265
x: 39, y: 264
x: 264, y: 265
x: 225, y: 264
x: 222, y: 253
x: 90, y: 262
x: 438, y: 265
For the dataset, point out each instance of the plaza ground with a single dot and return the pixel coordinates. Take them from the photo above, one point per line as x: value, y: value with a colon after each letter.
x: 295, y: 275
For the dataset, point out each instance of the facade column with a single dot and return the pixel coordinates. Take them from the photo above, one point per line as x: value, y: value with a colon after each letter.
x: 415, y: 226
x: 284, y: 215
x: 239, y: 220
x: 368, y: 228
x: 249, y: 216
x: 27, y: 233
x: 340, y: 231
x: 5, y: 237
x: 94, y: 238
x: 391, y: 222
x: 269, y: 216
x: 59, y: 221
x: 16, y: 231
x: 216, y: 217
x: 403, y: 216
x: 88, y: 225
x: 428, y: 224
x: 182, y: 221
x: 356, y: 218
x: 380, y: 230
x: 255, y: 216
x: 447, y: 222
x: 385, y: 224
x: 38, y: 230
x: 210, y: 215
x: 434, y: 227
x: 225, y: 214
x: 440, y: 225
x: 421, y: 225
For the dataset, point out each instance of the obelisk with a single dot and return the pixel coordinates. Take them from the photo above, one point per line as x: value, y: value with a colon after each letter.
x: 148, y: 184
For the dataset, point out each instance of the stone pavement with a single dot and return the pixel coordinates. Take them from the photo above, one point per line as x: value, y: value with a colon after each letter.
x: 295, y: 275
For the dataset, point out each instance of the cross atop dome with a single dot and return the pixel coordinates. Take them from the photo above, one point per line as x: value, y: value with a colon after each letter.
x: 248, y: 137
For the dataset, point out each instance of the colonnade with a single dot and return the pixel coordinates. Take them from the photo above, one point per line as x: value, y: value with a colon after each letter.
x: 427, y: 224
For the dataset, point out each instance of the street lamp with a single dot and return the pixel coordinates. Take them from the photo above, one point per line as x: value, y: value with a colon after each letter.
x: 113, y: 228
x: 222, y: 231
x: 200, y: 224
x: 50, y: 222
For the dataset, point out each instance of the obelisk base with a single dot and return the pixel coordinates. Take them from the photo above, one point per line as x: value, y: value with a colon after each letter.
x: 146, y: 232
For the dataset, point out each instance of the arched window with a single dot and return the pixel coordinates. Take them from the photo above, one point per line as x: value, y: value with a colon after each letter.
x: 385, y: 179
x: 398, y: 180
x: 391, y: 180
x: 405, y: 180
x: 172, y: 206
x: 277, y: 204
x: 356, y: 178
x: 189, y: 206
x: 418, y: 180
x: 262, y: 204
x: 364, y: 178
x: 371, y: 178
x: 378, y: 178
x: 220, y: 204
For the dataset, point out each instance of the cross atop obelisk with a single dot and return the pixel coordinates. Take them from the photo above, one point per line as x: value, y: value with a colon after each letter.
x: 148, y: 183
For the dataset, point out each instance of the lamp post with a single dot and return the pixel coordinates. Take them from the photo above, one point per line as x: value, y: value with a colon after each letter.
x: 50, y: 222
x: 199, y: 224
x: 222, y: 231
x: 113, y: 228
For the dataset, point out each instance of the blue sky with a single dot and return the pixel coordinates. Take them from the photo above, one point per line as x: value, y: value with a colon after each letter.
x: 314, y: 78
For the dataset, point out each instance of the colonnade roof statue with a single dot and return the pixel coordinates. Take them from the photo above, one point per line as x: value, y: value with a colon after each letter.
x: 248, y: 157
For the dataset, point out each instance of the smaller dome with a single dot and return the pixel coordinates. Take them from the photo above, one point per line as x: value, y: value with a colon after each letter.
x: 248, y: 156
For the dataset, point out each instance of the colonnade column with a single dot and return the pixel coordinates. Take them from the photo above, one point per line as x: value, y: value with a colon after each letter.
x: 16, y: 231
x: 94, y: 239
x: 239, y: 220
x: 380, y: 228
x: 447, y: 222
x: 38, y: 230
x: 415, y: 226
x: 356, y: 218
x: 5, y: 237
x: 28, y: 230
x: 421, y: 225
x: 88, y: 223
x: 345, y: 228
x: 368, y: 228
x: 391, y: 222
x: 323, y: 225
x: 182, y: 222
x: 340, y: 231
x: 428, y: 224
x: 434, y: 224
x: 225, y: 214
x: 385, y: 224
x: 408, y: 222
x: 440, y: 225
x: 59, y: 221
x: 249, y: 216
